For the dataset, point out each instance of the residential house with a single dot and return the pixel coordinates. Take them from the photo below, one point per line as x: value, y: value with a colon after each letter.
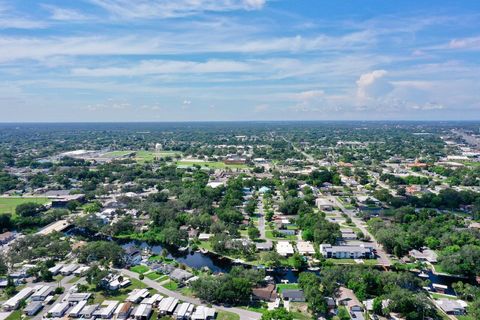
x: 347, y: 297
x: 167, y: 306
x: 266, y: 293
x: 180, y: 275
x: 293, y: 295
x: 203, y: 313
x: 75, y: 311
x: 452, y: 307
x: 42, y: 293
x: 107, y: 309
x: 33, y: 308
x: 323, y: 204
x: 132, y: 256
x: 424, y: 255
x: 183, y: 311
x: 142, y: 312
x: 14, y: 302
x: 137, y: 295
x: 123, y: 310
x: 284, y: 248
x: 59, y: 309
x: 305, y: 248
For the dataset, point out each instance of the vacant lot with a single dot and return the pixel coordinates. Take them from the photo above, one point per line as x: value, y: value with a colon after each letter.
x: 8, y: 205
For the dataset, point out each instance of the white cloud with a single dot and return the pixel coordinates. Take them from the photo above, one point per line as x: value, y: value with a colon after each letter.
x: 149, y: 67
x: 472, y: 43
x: 371, y: 85
x: 11, y: 20
x: 139, y: 9
x: 261, y: 108
x: 64, y: 14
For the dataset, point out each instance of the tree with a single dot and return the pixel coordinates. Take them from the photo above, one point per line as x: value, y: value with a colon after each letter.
x: 277, y: 314
x: 270, y: 259
x: 29, y: 209
x: 464, y: 261
x: 298, y: 262
x: 103, y: 252
x: 378, y: 306
x: 253, y: 233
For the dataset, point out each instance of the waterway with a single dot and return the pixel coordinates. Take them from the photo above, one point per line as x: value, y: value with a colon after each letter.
x: 219, y: 264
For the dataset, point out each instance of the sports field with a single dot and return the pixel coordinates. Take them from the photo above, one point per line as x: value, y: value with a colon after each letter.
x: 8, y: 205
x: 142, y: 155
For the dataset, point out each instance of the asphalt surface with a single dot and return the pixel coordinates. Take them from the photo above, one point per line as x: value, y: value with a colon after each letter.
x: 261, y: 220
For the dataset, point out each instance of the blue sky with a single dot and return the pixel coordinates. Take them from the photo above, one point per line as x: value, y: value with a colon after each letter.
x: 195, y: 60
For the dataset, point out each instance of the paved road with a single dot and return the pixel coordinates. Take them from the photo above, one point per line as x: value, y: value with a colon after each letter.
x: 382, y: 255
x: 244, y: 314
x: 306, y: 155
x: 261, y: 220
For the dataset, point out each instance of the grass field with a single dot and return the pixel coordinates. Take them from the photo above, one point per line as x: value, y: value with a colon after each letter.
x: 142, y: 155
x: 211, y: 164
x: 8, y: 205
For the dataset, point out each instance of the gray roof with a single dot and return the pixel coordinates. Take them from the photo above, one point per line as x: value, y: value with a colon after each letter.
x: 293, y: 294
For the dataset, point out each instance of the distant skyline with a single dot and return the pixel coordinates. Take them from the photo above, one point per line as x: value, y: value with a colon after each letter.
x: 238, y: 60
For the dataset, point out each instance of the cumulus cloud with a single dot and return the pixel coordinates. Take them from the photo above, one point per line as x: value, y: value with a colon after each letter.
x: 372, y: 85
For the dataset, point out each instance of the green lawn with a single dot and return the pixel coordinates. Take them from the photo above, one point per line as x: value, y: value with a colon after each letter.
x: 368, y: 262
x: 153, y: 275
x: 171, y: 285
x: 15, y: 315
x: 162, y: 278
x: 269, y: 235
x: 224, y: 315
x: 442, y: 296
x: 8, y: 205
x: 283, y: 286
x: 205, y: 245
x: 139, y: 269
x: 211, y: 164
